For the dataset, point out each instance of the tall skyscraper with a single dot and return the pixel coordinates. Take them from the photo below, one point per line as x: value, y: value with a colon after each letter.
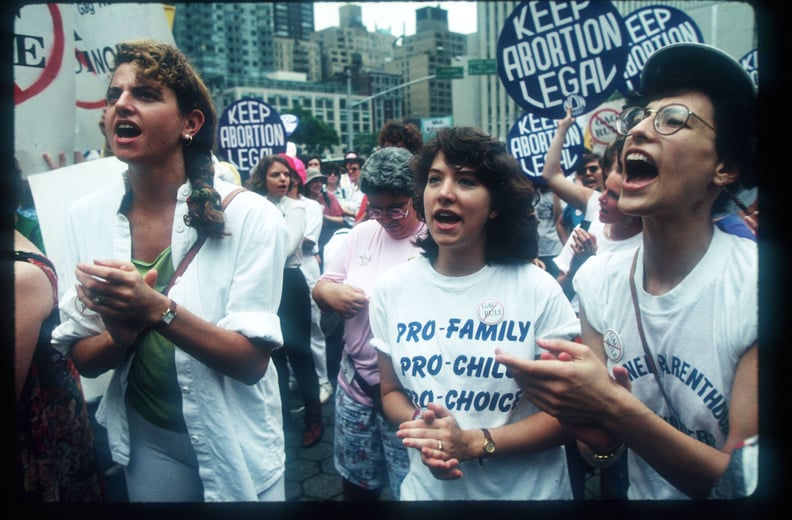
x: 293, y: 25
x: 420, y: 55
x: 293, y: 20
x: 229, y: 43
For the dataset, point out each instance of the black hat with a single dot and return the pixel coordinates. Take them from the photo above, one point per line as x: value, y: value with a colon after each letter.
x: 706, y: 69
x: 697, y: 65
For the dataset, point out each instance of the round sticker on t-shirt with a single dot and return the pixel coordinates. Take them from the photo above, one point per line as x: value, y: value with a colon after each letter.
x: 490, y: 311
x: 364, y: 258
x: 613, y: 345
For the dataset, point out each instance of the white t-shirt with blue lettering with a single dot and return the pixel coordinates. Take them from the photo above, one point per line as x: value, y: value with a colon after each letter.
x: 441, y: 333
x: 697, y: 333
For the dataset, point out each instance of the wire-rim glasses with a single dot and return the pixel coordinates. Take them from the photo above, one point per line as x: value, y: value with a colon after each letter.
x: 668, y: 120
x: 392, y: 213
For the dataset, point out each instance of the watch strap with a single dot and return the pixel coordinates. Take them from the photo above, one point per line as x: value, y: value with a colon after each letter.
x: 489, y: 445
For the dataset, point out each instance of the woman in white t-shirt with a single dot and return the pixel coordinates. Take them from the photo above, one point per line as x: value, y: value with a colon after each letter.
x: 438, y: 320
x: 611, y: 230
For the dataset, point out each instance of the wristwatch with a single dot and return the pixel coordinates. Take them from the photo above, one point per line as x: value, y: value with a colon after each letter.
x: 489, y: 445
x: 168, y: 315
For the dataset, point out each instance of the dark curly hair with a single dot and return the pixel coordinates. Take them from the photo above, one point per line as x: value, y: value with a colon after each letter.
x: 399, y: 133
x: 512, y: 235
x: 165, y: 64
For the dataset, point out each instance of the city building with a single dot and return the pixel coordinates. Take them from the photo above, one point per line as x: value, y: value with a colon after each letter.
x: 293, y: 25
x: 228, y: 43
x: 351, y: 46
x: 419, y: 56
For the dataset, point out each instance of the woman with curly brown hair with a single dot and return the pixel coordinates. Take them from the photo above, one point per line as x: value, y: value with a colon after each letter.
x: 192, y: 409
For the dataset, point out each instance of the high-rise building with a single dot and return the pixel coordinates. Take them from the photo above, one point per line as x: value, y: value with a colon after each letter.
x: 293, y: 20
x: 420, y: 55
x: 229, y: 43
x: 352, y: 47
x: 299, y: 56
x: 482, y: 101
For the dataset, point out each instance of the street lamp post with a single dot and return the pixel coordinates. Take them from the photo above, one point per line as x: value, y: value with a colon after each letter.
x: 349, y: 108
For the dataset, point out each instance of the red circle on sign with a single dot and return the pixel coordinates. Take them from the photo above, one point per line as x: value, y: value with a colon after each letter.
x: 598, y: 118
x: 54, y: 61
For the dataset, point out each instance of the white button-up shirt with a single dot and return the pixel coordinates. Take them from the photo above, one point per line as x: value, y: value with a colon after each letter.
x: 234, y: 282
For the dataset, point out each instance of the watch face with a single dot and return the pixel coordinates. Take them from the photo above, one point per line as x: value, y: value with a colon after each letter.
x: 167, y: 318
x: 489, y: 447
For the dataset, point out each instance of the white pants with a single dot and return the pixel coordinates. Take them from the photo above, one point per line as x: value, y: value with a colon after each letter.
x: 310, y: 269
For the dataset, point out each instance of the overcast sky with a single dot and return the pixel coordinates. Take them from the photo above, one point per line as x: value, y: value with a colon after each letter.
x: 394, y: 15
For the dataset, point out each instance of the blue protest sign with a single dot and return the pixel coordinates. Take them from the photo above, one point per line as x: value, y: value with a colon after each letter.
x: 530, y: 138
x: 556, y: 54
x: 650, y: 28
x: 248, y: 130
x: 750, y: 63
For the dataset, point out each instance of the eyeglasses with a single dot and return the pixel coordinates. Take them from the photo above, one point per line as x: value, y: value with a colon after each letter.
x: 668, y: 120
x: 593, y: 168
x: 392, y: 213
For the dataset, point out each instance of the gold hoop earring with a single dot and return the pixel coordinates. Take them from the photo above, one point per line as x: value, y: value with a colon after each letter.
x: 188, y: 139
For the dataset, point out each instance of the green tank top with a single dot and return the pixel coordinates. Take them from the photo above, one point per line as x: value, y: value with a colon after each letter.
x: 152, y: 387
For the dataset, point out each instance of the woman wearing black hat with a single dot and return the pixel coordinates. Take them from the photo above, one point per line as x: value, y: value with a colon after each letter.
x: 675, y: 322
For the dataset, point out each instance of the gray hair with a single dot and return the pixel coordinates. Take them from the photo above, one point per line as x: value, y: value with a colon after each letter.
x: 388, y: 170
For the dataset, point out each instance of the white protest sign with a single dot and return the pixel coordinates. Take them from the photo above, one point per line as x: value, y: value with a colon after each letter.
x: 54, y: 191
x: 248, y: 130
x: 98, y: 28
x: 530, y: 138
x: 602, y: 125
x: 431, y: 125
x: 61, y: 61
x: 557, y: 54
x: 290, y: 123
x: 43, y: 84
x: 650, y: 28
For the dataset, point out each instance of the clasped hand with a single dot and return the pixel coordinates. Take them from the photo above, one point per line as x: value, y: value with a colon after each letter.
x: 347, y: 300
x: 570, y: 383
x: 439, y: 438
x: 125, y: 300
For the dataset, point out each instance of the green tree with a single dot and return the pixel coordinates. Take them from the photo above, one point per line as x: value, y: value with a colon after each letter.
x: 313, y: 134
x: 365, y: 143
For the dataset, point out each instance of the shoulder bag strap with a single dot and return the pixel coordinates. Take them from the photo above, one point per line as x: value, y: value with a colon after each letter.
x: 649, y: 357
x: 197, y: 245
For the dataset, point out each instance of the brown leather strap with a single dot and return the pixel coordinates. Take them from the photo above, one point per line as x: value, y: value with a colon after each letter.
x: 197, y: 245
x: 649, y: 357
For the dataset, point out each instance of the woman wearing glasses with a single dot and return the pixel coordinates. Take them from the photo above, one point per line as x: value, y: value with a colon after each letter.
x: 438, y: 320
x: 676, y: 320
x: 365, y: 441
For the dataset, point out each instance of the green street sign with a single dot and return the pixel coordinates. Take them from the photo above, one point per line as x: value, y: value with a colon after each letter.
x: 450, y: 73
x: 480, y: 67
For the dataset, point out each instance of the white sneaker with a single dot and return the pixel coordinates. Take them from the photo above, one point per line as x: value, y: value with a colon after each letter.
x: 325, y: 392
